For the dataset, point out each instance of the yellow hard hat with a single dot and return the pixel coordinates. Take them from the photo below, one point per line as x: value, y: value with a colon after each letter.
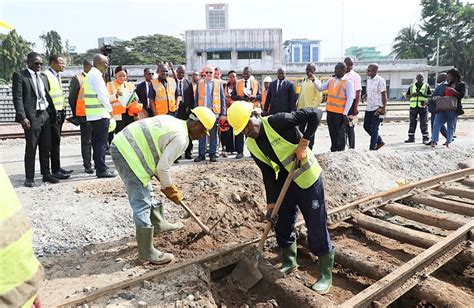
x: 238, y: 115
x: 112, y: 125
x: 205, y: 116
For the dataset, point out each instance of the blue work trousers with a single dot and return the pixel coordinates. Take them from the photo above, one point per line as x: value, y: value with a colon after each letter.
x: 212, y: 146
x: 311, y: 203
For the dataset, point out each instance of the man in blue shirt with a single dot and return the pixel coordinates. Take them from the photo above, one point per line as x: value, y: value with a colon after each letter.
x: 210, y: 93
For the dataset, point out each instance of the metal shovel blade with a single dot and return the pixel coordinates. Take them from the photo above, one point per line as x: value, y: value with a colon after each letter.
x: 246, y: 273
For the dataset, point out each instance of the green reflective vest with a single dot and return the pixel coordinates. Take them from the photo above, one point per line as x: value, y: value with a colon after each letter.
x: 92, y: 103
x: 56, y: 91
x: 138, y: 143
x: 21, y: 273
x: 418, y: 101
x: 305, y: 176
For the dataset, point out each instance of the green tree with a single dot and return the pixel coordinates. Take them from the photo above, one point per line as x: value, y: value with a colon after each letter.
x: 409, y: 44
x: 52, y: 43
x: 13, y: 51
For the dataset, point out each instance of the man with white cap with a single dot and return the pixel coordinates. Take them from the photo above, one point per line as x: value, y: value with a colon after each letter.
x: 266, y: 85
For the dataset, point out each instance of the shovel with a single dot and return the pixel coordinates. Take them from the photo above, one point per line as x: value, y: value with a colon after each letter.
x: 246, y: 273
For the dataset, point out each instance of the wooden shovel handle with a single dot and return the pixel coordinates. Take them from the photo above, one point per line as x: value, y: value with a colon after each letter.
x: 278, y: 203
x: 204, y: 228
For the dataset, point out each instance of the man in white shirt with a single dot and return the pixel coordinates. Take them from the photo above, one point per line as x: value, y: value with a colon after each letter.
x: 353, y: 112
x: 376, y: 104
x: 99, y: 121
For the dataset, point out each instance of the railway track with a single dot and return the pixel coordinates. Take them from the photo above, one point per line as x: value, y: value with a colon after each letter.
x: 67, y: 133
x: 433, y: 222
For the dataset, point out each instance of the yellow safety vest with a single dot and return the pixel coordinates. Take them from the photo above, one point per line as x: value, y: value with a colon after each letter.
x: 138, y: 143
x: 418, y: 100
x: 56, y: 91
x: 21, y: 273
x: 93, y: 105
x: 305, y: 176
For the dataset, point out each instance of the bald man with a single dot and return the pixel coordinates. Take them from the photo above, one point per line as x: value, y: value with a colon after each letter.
x: 281, y: 96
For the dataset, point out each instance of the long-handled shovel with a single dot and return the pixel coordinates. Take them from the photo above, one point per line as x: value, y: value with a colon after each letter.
x: 246, y: 273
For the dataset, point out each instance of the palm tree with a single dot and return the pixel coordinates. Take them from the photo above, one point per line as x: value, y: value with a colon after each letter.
x: 409, y: 44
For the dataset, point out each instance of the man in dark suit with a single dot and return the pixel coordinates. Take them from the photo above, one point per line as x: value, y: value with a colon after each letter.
x: 33, y: 106
x: 185, y: 100
x: 145, y: 91
x: 281, y: 96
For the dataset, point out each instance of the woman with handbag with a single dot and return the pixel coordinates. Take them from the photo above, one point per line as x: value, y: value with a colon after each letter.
x: 448, y: 107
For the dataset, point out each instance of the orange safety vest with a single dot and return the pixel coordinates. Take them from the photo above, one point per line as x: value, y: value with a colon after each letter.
x: 112, y: 86
x: 165, y: 101
x: 80, y: 101
x: 264, y: 98
x: 336, y: 100
x: 253, y: 86
x: 216, y: 95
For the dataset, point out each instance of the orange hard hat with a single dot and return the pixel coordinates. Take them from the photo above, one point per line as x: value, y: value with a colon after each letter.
x: 134, y: 108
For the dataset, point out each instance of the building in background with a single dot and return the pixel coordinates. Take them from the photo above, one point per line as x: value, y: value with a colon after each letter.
x: 302, y: 50
x: 217, y: 16
x: 111, y: 40
x: 234, y: 49
x: 365, y: 54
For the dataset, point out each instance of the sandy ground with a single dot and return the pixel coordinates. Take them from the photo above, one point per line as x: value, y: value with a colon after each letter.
x: 84, y: 234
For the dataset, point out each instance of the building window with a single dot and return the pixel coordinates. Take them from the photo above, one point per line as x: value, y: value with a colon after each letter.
x: 315, y: 54
x: 296, y: 54
x: 249, y: 55
x: 306, y: 53
x: 199, y: 54
x: 407, y: 82
x: 218, y: 55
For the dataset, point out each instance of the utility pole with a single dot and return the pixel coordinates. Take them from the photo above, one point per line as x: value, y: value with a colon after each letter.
x: 342, y: 28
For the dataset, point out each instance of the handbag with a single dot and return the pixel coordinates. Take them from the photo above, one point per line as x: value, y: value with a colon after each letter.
x: 446, y: 103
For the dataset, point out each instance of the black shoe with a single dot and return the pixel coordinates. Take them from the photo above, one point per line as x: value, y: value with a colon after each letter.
x: 50, y: 178
x: 29, y: 183
x: 380, y: 145
x: 89, y: 170
x: 61, y: 176
x: 200, y: 158
x: 426, y: 141
x: 107, y: 152
x: 176, y: 161
x: 107, y: 174
x: 212, y: 158
x: 239, y: 156
x: 188, y: 156
x: 63, y: 171
x: 409, y: 140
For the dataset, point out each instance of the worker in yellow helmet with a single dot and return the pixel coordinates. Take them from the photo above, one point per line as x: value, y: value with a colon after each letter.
x: 274, y: 142
x: 145, y: 149
x: 20, y: 273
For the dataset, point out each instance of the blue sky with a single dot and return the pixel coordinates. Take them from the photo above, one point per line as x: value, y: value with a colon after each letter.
x: 365, y: 22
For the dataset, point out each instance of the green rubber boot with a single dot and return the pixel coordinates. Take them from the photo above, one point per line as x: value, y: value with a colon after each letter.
x: 161, y: 225
x: 324, y: 282
x: 289, y: 259
x: 146, y: 251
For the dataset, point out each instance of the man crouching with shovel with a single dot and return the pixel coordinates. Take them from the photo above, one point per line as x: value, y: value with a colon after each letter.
x: 148, y: 148
x: 274, y: 142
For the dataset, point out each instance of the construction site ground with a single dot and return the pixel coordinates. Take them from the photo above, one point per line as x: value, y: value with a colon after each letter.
x: 84, y: 233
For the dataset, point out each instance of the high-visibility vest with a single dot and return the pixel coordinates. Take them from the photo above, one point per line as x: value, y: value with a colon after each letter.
x: 253, y: 87
x: 164, y: 98
x: 80, y: 101
x: 264, y: 98
x: 21, y: 273
x: 305, y: 176
x: 336, y: 100
x: 112, y: 87
x: 56, y: 91
x: 216, y: 95
x: 92, y: 103
x: 138, y: 143
x: 418, y: 100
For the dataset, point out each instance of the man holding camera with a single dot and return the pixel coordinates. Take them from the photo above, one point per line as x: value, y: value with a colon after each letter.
x: 418, y: 94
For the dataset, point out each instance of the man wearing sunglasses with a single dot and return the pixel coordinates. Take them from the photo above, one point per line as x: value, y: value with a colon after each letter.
x: 210, y: 93
x: 33, y: 105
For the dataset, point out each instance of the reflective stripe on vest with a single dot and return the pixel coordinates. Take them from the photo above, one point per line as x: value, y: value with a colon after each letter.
x: 80, y: 101
x: 164, y: 98
x: 112, y: 87
x: 305, y: 176
x: 216, y: 95
x: 21, y: 273
x: 336, y: 100
x: 56, y: 91
x: 138, y: 143
x: 93, y: 105
x: 418, y: 100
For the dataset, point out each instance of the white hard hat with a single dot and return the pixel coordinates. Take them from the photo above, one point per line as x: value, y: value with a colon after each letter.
x: 267, y: 79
